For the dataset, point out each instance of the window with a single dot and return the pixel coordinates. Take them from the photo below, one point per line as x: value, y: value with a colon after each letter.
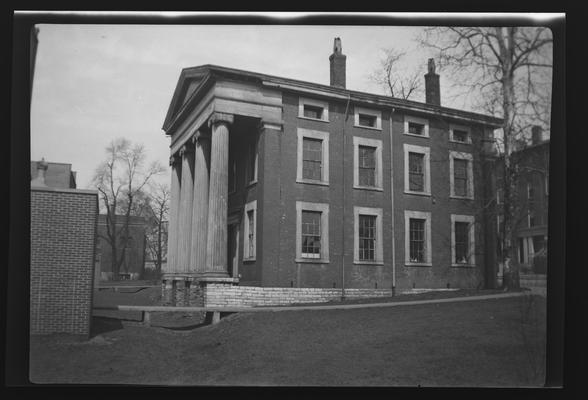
x: 367, y: 165
x: 313, y: 109
x: 461, y: 175
x: 252, y: 161
x: 313, y: 157
x: 312, y: 232
x: 462, y: 240
x: 416, y: 126
x: 417, y: 238
x: 416, y: 172
x: 365, y: 118
x: 368, y: 239
x: 250, y: 231
x: 417, y: 178
x: 460, y: 134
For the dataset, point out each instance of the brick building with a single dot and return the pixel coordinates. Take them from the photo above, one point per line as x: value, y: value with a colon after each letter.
x: 63, y: 232
x: 532, y: 160
x: 133, y: 262
x: 284, y: 183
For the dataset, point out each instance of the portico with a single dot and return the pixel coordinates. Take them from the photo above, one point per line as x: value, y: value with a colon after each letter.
x: 227, y: 117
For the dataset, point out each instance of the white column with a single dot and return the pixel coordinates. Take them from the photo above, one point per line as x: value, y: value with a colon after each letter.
x: 216, y: 249
x: 200, y: 204
x: 185, y: 215
x: 174, y: 208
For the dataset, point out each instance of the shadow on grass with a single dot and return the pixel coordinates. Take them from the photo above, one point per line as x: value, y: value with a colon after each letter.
x: 102, y: 325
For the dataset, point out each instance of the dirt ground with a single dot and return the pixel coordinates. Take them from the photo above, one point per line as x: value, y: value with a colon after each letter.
x: 478, y: 343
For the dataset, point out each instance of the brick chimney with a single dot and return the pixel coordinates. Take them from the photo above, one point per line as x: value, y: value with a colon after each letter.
x: 536, y: 134
x: 41, y: 168
x: 432, y: 88
x: 337, y: 60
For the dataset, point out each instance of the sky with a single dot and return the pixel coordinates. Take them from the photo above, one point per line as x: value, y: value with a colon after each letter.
x: 96, y: 83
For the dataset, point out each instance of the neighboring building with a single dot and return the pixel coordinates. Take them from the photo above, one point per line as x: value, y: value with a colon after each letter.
x: 283, y: 183
x: 57, y: 175
x: 133, y: 264
x: 532, y: 160
x: 63, y: 239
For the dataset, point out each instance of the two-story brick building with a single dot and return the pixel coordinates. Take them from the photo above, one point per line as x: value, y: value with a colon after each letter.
x: 284, y: 183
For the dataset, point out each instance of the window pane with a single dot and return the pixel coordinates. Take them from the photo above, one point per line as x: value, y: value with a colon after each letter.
x: 415, y: 128
x: 416, y: 174
x: 460, y: 177
x: 460, y: 136
x: 417, y: 240
x: 311, y: 234
x: 367, y: 120
x: 461, y: 242
x: 367, y: 237
x: 251, y: 235
x: 312, y: 155
x: 313, y: 111
x: 367, y: 165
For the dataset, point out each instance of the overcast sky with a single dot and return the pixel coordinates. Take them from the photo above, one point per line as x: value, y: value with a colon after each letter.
x: 94, y: 83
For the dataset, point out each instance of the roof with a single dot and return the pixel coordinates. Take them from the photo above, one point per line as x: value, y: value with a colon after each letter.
x: 194, y: 81
x: 58, y: 175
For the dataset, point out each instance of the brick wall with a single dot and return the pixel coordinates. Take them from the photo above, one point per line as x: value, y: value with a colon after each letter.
x: 219, y: 295
x: 63, y: 232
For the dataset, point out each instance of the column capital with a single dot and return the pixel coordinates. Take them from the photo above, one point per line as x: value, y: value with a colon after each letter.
x: 269, y: 125
x: 199, y: 136
x: 174, y: 159
x: 217, y: 118
x: 186, y: 149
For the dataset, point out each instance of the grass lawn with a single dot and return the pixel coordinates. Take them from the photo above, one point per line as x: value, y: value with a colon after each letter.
x: 479, y: 343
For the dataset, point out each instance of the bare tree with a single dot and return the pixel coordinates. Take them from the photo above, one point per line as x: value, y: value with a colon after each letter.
x: 396, y: 79
x: 156, y: 212
x: 120, y: 181
x: 509, y: 69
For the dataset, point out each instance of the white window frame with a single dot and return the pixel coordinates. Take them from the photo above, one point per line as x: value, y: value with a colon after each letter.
x: 324, y: 209
x: 411, y: 148
x: 417, y: 120
x: 377, y: 143
x: 379, y: 250
x: 471, y: 220
x: 251, y: 206
x: 428, y: 244
x: 316, y: 103
x: 373, y: 113
x: 313, y: 134
x: 461, y: 156
x: 453, y: 127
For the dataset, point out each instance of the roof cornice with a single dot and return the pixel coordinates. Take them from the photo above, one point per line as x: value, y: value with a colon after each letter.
x: 209, y: 70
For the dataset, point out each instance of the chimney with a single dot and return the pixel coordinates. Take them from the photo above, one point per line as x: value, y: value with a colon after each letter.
x: 432, y: 88
x: 337, y: 60
x: 41, y: 168
x: 536, y: 134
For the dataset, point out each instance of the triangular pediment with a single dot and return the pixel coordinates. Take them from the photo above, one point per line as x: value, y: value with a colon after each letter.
x: 187, y: 84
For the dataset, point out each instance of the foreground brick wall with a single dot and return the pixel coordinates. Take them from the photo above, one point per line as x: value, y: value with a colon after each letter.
x: 218, y: 295
x: 63, y: 232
